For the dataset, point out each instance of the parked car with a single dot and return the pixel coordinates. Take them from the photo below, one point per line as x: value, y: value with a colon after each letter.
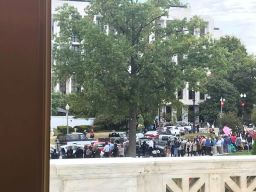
x: 100, y: 145
x: 188, y: 128
x: 181, y: 129
x: 151, y: 134
x: 165, y: 138
x: 74, y: 139
x: 73, y: 146
x: 175, y: 131
x: 172, y: 130
x: 118, y: 136
x: 250, y: 127
x: 139, y: 135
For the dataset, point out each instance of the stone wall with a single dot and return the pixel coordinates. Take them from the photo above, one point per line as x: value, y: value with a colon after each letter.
x: 187, y: 174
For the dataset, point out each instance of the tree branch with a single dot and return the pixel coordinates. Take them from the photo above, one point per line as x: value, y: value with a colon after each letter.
x: 147, y: 24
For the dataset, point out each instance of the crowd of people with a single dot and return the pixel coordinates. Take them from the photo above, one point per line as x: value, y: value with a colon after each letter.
x: 200, y: 145
x: 110, y: 149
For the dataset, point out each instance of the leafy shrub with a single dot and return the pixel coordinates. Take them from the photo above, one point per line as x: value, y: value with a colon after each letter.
x: 253, y: 116
x: 82, y: 128
x: 254, y: 148
x: 63, y: 129
x: 231, y: 120
x: 108, y: 123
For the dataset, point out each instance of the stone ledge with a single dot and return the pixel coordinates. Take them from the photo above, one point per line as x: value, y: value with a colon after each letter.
x: 147, y: 174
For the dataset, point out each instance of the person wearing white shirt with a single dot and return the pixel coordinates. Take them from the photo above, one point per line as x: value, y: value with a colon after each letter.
x: 150, y: 146
x: 219, y: 146
x: 106, y: 150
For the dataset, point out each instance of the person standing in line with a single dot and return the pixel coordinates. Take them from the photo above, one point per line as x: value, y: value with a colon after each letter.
x: 79, y: 152
x: 175, y: 147
x: 70, y: 152
x: 121, y: 150
x: 85, y: 149
x: 189, y: 148
x: 92, y: 134
x: 54, y: 154
x: 183, y: 146
x: 95, y: 152
x: 203, y: 147
x: 115, y: 151
x: 208, y: 146
x: 151, y: 147
x: 219, y: 146
x: 167, y: 151
x: 194, y: 148
x: 111, y: 147
x: 89, y: 152
x: 63, y: 153
x: 214, y: 147
x: 106, y: 150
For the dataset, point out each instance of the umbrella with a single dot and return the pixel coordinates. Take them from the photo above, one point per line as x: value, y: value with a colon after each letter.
x: 227, y: 130
x: 252, y: 134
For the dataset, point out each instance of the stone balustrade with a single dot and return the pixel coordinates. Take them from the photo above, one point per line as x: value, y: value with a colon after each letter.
x: 186, y: 174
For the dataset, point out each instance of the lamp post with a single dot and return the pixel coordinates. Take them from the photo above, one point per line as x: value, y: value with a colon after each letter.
x: 58, y: 144
x: 194, y: 110
x: 243, y: 96
x: 67, y: 109
x: 222, y: 100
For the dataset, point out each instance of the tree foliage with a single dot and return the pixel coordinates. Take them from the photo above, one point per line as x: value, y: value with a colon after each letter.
x: 232, y: 73
x: 253, y: 116
x: 58, y: 100
x: 231, y: 120
x: 125, y: 61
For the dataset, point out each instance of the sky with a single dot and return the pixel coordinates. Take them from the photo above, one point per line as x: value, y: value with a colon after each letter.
x: 233, y: 17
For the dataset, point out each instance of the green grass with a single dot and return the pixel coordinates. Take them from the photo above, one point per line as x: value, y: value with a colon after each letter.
x: 239, y: 153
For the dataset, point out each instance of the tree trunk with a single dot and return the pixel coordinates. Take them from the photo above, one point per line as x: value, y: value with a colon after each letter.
x: 132, y: 135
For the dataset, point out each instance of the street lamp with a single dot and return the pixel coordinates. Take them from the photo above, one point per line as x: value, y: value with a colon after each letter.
x: 243, y: 96
x: 67, y: 109
x: 194, y: 109
x: 222, y: 100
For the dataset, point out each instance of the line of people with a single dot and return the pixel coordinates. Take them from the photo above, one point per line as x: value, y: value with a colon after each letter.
x: 202, y: 145
x: 110, y: 149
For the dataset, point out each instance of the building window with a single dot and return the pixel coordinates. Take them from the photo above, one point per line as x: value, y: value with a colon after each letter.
x: 180, y: 94
x: 75, y: 88
x: 168, y: 109
x: 75, y: 42
x: 63, y: 87
x: 191, y: 94
x: 197, y: 32
x: 202, y: 31
x: 74, y: 38
x: 202, y: 96
x: 75, y: 48
x: 99, y: 22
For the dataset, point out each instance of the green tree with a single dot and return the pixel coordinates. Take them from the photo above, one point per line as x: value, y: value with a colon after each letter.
x: 253, y: 116
x: 230, y: 119
x: 240, y: 70
x: 58, y: 100
x: 122, y: 72
x: 254, y: 148
x: 243, y: 78
x: 217, y: 88
x: 232, y: 73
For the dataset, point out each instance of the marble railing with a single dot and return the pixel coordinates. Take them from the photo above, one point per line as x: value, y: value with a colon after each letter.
x: 187, y: 174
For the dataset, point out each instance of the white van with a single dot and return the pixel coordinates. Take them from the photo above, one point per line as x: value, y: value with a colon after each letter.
x: 166, y: 137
